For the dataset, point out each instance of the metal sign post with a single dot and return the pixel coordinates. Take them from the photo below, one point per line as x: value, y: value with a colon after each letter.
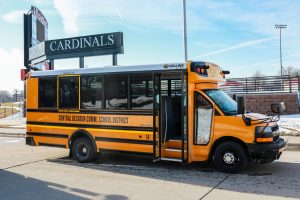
x: 185, y: 32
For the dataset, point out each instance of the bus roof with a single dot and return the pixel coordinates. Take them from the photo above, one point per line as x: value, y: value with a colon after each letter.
x: 113, y: 69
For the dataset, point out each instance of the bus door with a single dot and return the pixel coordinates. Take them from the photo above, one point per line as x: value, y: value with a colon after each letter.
x: 68, y: 93
x: 184, y: 116
x: 156, y: 117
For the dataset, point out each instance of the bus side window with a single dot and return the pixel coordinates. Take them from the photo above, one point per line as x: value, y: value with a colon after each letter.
x: 91, y: 92
x: 68, y: 91
x: 142, y: 92
x: 47, y: 93
x: 116, y: 92
x: 203, y: 120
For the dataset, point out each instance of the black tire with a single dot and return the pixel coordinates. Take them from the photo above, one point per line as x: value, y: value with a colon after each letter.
x: 83, y: 150
x: 230, y: 157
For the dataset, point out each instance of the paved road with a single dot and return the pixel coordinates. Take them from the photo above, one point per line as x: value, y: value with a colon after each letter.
x: 46, y: 173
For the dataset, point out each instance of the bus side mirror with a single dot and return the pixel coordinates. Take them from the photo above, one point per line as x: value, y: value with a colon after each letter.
x: 278, y: 108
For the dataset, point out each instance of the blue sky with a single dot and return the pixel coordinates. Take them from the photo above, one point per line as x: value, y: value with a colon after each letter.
x: 238, y: 35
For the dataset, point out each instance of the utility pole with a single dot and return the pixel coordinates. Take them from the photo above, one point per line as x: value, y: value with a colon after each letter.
x: 280, y: 26
x: 185, y: 32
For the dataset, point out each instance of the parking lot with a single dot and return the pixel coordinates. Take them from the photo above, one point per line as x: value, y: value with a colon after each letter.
x: 47, y: 173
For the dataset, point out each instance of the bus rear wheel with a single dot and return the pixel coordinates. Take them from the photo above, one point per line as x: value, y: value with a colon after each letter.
x: 230, y: 157
x: 83, y: 150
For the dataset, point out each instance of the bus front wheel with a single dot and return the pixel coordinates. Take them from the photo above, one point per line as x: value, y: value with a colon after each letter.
x: 230, y: 157
x: 83, y: 150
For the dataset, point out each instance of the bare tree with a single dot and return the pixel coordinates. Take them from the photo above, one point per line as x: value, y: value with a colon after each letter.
x: 258, y: 73
x: 5, y: 96
x: 258, y: 83
x: 291, y: 71
x: 18, y: 95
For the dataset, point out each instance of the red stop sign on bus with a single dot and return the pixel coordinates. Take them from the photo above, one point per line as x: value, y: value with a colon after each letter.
x: 23, y: 74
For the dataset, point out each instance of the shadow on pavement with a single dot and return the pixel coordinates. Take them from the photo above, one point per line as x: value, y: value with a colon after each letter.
x: 280, y: 179
x: 14, y: 186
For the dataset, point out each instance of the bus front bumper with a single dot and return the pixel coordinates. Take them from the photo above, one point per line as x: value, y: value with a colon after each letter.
x: 266, y: 152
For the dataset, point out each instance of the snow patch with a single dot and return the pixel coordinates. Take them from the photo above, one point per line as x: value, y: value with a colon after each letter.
x: 289, y: 125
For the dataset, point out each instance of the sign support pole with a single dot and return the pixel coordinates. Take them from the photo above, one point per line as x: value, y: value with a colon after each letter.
x: 51, y: 64
x: 81, y: 62
x: 115, y: 59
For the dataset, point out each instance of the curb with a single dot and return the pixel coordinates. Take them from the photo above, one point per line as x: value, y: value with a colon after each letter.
x: 293, y: 147
x: 16, y: 135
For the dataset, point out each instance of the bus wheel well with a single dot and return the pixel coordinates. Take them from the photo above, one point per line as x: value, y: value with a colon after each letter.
x: 81, y: 134
x: 227, y: 138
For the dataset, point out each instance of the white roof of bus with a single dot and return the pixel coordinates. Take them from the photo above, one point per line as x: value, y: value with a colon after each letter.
x: 112, y: 69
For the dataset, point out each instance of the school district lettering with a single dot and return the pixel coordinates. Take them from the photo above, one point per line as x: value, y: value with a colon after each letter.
x: 93, y: 119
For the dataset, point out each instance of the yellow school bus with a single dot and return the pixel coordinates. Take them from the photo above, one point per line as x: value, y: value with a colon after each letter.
x: 174, y: 112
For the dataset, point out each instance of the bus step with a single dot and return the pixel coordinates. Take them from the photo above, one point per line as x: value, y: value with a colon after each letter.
x: 172, y: 152
x: 174, y: 144
x: 171, y: 159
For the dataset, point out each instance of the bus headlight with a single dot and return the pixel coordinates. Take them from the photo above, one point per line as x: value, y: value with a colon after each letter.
x: 263, y: 134
x: 263, y: 129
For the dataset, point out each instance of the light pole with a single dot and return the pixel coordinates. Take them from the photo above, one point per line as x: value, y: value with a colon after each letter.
x: 280, y: 26
x: 185, y: 31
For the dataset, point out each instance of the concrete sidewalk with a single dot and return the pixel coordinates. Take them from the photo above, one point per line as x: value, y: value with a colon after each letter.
x: 13, y: 121
x: 13, y: 126
x: 293, y: 142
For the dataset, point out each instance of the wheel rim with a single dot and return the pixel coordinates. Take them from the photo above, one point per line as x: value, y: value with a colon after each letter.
x: 82, y: 150
x: 230, y: 159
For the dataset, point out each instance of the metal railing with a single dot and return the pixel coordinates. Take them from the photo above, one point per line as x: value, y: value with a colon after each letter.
x: 6, y: 111
x: 266, y: 84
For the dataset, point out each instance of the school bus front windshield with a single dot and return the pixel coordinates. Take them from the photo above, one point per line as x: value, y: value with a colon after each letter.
x: 223, y: 101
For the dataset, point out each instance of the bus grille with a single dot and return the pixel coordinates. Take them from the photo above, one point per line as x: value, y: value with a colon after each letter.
x: 275, y: 130
x: 275, y: 138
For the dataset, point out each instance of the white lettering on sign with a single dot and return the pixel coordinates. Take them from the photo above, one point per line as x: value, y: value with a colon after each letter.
x: 75, y: 43
x: 111, y: 40
x: 51, y: 45
x: 84, y: 42
x: 60, y: 46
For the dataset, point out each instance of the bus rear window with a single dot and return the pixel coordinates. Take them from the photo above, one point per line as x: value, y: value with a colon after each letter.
x: 47, y: 93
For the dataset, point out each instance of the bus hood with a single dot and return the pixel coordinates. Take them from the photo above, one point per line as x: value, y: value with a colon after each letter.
x: 259, y: 118
x: 255, y: 116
